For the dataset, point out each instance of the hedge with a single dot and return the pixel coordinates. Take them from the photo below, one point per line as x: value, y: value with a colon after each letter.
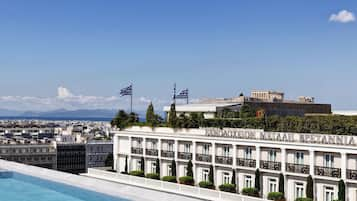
x: 250, y: 192
x: 303, y: 199
x: 153, y: 176
x: 277, y: 196
x: 186, y: 180
x: 231, y: 188
x: 206, y: 184
x: 171, y: 179
x: 138, y: 173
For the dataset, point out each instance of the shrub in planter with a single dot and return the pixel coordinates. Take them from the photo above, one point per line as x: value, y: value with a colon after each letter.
x: 276, y: 196
x: 250, y: 192
x: 153, y: 176
x: 171, y: 179
x: 303, y: 199
x: 206, y: 184
x: 231, y: 188
x: 186, y: 180
x: 137, y: 173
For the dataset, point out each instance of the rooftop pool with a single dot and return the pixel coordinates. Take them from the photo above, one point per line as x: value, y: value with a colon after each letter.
x: 19, y: 187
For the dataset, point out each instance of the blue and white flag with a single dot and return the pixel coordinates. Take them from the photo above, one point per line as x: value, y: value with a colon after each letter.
x: 127, y: 91
x: 183, y: 94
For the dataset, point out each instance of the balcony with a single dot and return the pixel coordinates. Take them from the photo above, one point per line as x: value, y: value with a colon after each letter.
x: 204, y: 158
x: 297, y: 168
x: 167, y: 154
x: 185, y: 155
x: 352, y: 174
x: 246, y: 162
x: 151, y: 152
x: 224, y: 160
x: 136, y: 150
x: 328, y: 171
x: 270, y: 165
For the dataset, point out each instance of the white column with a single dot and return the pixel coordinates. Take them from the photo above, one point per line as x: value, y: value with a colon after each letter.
x: 257, y: 159
x: 129, y: 154
x: 344, y: 166
x: 214, y: 154
x: 176, y: 149
x: 283, y: 160
x: 115, y: 153
x: 312, y: 162
x: 144, y: 147
x: 159, y: 147
x: 194, y: 161
x: 234, y: 156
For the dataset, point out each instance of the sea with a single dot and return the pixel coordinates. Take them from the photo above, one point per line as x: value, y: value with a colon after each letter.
x: 103, y: 119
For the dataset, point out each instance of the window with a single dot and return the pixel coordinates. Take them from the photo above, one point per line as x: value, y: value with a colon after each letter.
x: 205, y: 174
x: 187, y: 148
x: 299, y: 158
x: 185, y: 170
x: 170, y: 146
x: 248, y: 153
x: 247, y: 181
x: 205, y: 149
x: 153, y: 167
x: 226, y: 151
x: 272, y: 155
x: 226, y: 178
x: 272, y: 185
x: 299, y: 190
x: 328, y: 160
x: 138, y: 165
x: 329, y: 194
x: 169, y: 170
x: 153, y: 145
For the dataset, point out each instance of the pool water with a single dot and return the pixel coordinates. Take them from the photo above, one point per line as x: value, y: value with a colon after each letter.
x: 18, y: 187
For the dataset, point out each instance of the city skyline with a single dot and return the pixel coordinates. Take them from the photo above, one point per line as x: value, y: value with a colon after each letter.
x: 78, y: 55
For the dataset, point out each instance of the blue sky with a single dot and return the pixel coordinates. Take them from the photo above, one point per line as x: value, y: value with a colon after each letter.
x: 215, y: 48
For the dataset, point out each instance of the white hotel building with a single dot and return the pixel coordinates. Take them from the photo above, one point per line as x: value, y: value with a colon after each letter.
x: 327, y: 158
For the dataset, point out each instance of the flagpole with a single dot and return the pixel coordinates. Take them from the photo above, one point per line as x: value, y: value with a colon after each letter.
x: 131, y: 99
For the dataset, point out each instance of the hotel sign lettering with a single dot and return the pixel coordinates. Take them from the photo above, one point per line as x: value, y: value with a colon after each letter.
x: 283, y: 137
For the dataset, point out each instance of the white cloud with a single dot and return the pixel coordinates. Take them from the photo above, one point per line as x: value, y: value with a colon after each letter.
x: 63, y: 92
x: 65, y: 99
x: 343, y: 16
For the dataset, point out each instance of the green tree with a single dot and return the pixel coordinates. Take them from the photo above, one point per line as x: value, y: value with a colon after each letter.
x: 211, y: 175
x: 233, y: 177
x: 341, y: 190
x: 189, y: 169
x: 150, y: 115
x: 172, y: 121
x: 173, y: 168
x: 281, y: 184
x: 257, y: 180
x: 310, y: 187
x: 142, y: 167
x: 109, y: 161
x: 123, y: 120
x: 158, y: 167
x: 246, y: 111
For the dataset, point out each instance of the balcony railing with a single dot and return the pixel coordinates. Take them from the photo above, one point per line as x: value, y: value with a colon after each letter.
x: 185, y: 155
x: 136, y: 150
x: 352, y: 174
x: 270, y: 165
x: 151, y: 152
x: 204, y: 157
x: 246, y: 162
x: 224, y: 160
x: 167, y: 154
x: 328, y: 171
x: 297, y: 168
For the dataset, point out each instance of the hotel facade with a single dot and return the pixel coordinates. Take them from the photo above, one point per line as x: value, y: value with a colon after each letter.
x: 327, y: 158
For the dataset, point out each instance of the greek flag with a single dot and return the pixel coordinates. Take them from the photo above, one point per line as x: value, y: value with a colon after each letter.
x: 183, y: 94
x: 127, y: 91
